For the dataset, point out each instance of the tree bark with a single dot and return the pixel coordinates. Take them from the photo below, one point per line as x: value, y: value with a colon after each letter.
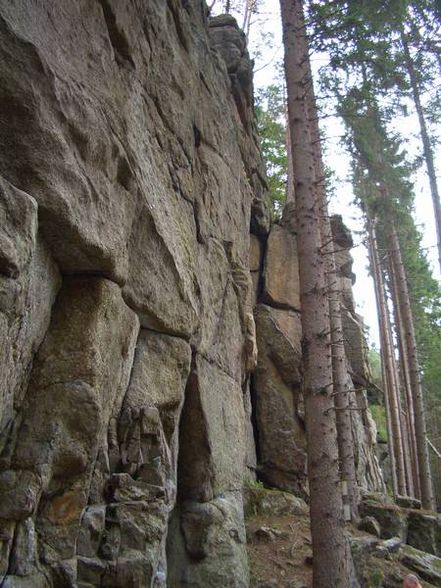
x: 330, y: 555
x: 343, y: 386
x: 427, y: 497
x: 390, y: 383
x: 405, y: 379
x: 427, y: 147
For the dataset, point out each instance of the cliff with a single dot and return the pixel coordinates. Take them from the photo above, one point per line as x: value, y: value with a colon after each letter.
x: 130, y: 181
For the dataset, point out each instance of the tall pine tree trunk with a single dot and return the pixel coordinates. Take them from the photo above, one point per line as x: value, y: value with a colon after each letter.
x: 405, y: 380
x: 390, y: 379
x: 427, y: 147
x: 330, y: 555
x: 427, y: 497
x: 343, y: 386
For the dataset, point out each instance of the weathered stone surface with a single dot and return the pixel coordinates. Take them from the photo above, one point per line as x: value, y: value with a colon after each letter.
x: 125, y: 543
x: 392, y: 520
x: 110, y: 201
x: 276, y: 386
x: 84, y: 363
x: 424, y: 532
x: 408, y: 502
x: 209, y: 547
x: 213, y: 420
x: 128, y: 153
x: 281, y: 270
x: 428, y: 567
x: 261, y: 501
x: 255, y: 253
x: 370, y: 525
x: 29, y: 281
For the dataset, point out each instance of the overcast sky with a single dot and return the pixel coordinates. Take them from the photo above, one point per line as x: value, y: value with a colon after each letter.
x: 269, y: 22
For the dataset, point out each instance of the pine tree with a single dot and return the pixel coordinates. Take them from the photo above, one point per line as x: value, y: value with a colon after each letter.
x: 391, y: 198
x: 330, y: 566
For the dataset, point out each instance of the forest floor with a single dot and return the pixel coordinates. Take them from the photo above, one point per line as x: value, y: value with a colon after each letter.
x: 280, y: 555
x: 279, y: 551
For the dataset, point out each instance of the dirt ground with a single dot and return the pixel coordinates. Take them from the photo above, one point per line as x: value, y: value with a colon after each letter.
x: 279, y: 551
x: 280, y: 556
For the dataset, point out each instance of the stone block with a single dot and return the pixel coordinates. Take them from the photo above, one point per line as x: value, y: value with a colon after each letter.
x: 281, y: 272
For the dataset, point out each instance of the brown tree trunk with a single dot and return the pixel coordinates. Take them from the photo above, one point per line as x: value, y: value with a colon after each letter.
x: 427, y: 497
x: 405, y: 380
x: 290, y: 175
x: 390, y: 384
x: 343, y: 386
x: 330, y: 555
x: 427, y: 147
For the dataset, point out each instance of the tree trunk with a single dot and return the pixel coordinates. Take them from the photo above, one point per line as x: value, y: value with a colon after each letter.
x: 330, y: 555
x: 290, y: 175
x: 343, y: 386
x: 427, y: 497
x: 427, y: 147
x: 390, y: 384
x: 405, y: 379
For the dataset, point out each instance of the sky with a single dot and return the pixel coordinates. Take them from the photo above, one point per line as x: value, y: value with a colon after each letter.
x: 268, y: 23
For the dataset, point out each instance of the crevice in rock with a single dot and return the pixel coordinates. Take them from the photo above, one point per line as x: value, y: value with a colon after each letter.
x: 178, y: 25
x: 117, y: 38
x: 194, y: 468
x: 279, y: 305
x: 254, y: 424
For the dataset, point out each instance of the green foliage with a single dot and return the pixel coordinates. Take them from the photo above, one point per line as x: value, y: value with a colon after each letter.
x: 375, y: 579
x: 375, y: 365
x: 270, y: 111
x: 254, y: 484
x: 379, y: 415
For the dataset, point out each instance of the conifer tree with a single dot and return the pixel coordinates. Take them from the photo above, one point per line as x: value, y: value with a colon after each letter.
x: 391, y: 199
x: 330, y: 566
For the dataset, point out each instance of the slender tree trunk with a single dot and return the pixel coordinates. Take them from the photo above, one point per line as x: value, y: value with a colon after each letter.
x: 404, y: 448
x: 393, y: 468
x: 390, y: 383
x: 427, y: 497
x: 330, y: 555
x: 427, y: 147
x: 404, y: 372
x: 343, y: 386
x: 290, y: 175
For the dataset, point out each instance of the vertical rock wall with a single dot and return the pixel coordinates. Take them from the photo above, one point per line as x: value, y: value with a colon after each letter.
x: 129, y: 178
x: 277, y: 380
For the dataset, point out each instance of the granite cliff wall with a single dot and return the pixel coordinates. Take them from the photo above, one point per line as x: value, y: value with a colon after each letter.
x: 130, y: 180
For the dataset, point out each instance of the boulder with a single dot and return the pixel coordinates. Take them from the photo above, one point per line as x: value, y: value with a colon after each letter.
x: 392, y: 520
x: 424, y: 531
x: 272, y: 503
x: 427, y: 566
x: 370, y: 525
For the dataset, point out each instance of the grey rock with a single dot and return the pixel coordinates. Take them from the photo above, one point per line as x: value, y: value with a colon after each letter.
x: 281, y: 270
x: 424, y: 532
x: 392, y: 520
x: 408, y: 502
x: 277, y: 382
x: 427, y: 566
x: 370, y: 525
x: 261, y: 501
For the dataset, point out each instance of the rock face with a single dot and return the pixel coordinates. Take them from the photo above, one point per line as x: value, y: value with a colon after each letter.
x: 277, y: 380
x: 130, y: 180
